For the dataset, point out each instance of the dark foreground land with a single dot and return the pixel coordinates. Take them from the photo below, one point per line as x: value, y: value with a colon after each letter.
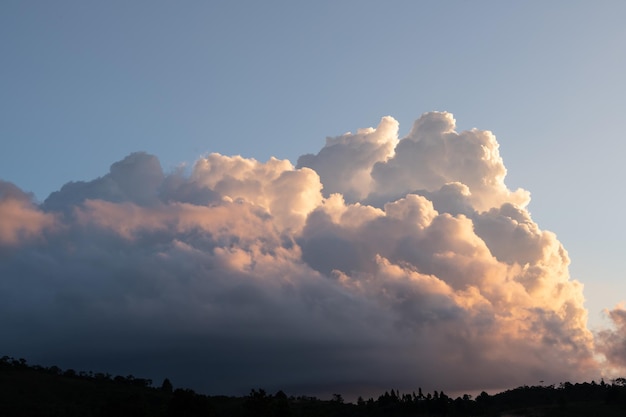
x: 27, y: 390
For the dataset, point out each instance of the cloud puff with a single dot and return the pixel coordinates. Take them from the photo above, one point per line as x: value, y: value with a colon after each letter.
x: 379, y: 262
x: 21, y: 219
x: 434, y: 154
x: 345, y: 163
x: 611, y: 342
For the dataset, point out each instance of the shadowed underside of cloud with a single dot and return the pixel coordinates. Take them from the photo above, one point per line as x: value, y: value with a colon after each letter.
x: 377, y: 263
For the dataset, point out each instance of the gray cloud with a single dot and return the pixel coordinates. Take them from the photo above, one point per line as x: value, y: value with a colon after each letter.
x: 377, y: 263
x: 611, y: 342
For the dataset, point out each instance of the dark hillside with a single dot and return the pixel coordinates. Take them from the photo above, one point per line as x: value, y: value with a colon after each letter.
x: 27, y: 391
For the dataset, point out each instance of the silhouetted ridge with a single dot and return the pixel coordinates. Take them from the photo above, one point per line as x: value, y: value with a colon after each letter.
x: 33, y: 390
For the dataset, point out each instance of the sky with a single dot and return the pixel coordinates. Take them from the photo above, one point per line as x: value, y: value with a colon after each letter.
x: 180, y: 192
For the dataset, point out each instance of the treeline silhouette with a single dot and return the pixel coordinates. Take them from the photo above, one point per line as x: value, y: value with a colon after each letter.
x: 27, y: 390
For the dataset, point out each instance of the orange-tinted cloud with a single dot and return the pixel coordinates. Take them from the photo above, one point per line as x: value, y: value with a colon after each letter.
x: 378, y: 262
x: 20, y: 219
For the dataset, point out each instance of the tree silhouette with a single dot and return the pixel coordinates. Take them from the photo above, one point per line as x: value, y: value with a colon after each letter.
x: 166, y: 386
x: 338, y: 398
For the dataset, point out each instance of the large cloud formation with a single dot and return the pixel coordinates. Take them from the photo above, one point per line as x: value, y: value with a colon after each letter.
x: 377, y: 263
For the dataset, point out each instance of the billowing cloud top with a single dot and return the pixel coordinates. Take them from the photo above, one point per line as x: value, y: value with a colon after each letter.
x: 378, y: 263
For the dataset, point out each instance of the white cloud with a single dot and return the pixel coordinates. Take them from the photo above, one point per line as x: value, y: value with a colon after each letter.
x: 376, y: 263
x: 434, y: 154
x: 346, y: 162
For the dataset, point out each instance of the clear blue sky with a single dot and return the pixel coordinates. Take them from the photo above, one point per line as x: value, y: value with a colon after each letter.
x: 83, y: 84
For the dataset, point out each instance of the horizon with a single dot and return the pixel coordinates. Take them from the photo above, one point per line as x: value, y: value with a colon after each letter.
x: 22, y: 363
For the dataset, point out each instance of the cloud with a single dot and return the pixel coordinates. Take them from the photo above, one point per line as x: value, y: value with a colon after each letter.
x: 611, y: 341
x: 380, y: 262
x: 21, y: 220
x: 135, y: 179
x: 434, y: 154
x: 345, y: 163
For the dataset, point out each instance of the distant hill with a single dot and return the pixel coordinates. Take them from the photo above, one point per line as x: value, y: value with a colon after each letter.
x: 33, y: 390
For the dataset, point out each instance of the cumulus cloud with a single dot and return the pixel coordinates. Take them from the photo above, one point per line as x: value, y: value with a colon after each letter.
x: 379, y: 262
x: 345, y: 163
x: 611, y: 342
x: 434, y: 154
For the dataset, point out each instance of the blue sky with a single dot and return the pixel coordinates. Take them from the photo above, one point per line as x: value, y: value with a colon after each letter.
x: 83, y: 84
